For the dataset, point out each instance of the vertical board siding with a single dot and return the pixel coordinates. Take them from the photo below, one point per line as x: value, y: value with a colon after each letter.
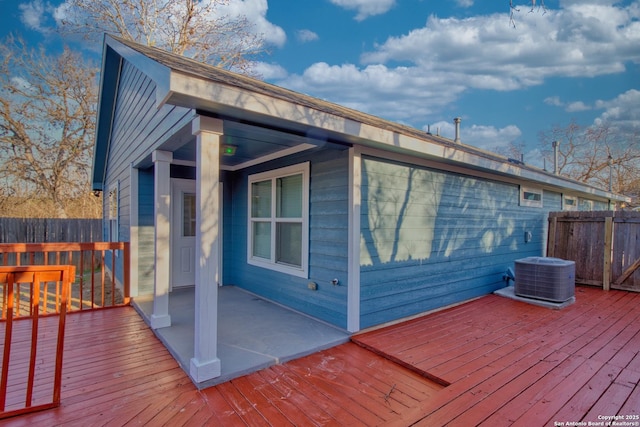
x: 42, y: 230
x: 582, y: 236
x: 432, y: 238
x: 626, y: 250
x: 327, y: 241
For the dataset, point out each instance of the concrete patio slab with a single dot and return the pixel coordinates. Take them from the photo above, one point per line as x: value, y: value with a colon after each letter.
x: 252, y: 333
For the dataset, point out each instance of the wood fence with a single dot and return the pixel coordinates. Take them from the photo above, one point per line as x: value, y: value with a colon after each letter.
x: 102, y: 273
x: 605, y: 246
x: 42, y: 230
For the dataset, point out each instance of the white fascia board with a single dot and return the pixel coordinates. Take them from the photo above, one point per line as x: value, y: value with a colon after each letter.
x: 203, y: 93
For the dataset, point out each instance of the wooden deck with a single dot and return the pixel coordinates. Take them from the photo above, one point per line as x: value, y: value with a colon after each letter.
x: 503, y: 362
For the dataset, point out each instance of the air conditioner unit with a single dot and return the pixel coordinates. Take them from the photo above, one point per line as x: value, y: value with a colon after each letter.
x: 550, y: 279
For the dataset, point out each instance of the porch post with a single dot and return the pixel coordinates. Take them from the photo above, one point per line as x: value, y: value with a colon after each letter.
x: 162, y: 213
x: 205, y: 364
x: 353, y: 275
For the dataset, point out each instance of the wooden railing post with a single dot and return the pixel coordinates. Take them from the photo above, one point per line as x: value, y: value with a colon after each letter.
x: 35, y: 276
x: 608, y: 253
x: 118, y: 280
x: 127, y: 272
x: 7, y: 278
x: 551, y: 236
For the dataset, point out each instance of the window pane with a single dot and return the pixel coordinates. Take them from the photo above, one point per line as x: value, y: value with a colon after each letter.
x: 261, y: 240
x: 188, y: 214
x: 529, y: 195
x: 261, y: 199
x: 289, y: 197
x: 289, y: 243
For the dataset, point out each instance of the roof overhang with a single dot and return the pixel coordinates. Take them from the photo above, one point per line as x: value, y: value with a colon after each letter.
x: 189, y: 84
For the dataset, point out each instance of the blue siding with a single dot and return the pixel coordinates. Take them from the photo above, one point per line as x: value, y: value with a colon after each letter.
x: 432, y: 238
x: 146, y: 234
x: 327, y: 246
x: 138, y: 128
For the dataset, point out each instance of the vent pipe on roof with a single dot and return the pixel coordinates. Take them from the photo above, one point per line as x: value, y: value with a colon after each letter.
x: 457, y: 121
x: 555, y: 145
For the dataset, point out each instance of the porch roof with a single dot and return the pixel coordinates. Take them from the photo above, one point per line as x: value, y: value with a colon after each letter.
x: 210, y: 90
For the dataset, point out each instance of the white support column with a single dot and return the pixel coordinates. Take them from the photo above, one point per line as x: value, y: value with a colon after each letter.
x: 205, y: 364
x: 162, y: 213
x: 353, y: 275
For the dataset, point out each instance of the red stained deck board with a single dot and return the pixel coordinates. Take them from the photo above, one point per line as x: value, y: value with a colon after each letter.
x: 502, y: 380
x: 337, y: 408
x: 581, y: 402
x: 223, y: 413
x: 299, y: 408
x: 505, y: 369
x: 378, y: 367
x: 632, y: 405
x: 534, y: 386
x: 550, y: 401
x: 267, y: 383
x: 264, y: 405
x: 343, y: 386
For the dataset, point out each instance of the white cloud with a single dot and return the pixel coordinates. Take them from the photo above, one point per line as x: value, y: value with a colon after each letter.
x: 256, y: 12
x: 366, y: 8
x: 411, y: 76
x: 571, y: 107
x: 394, y: 93
x: 554, y: 100
x: 481, y: 136
x: 582, y: 41
x: 577, y: 106
x: 622, y: 111
x: 304, y: 36
x: 22, y: 84
x: 465, y: 3
x: 268, y: 71
x: 34, y: 15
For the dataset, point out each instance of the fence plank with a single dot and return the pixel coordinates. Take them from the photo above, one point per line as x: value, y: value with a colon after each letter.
x: 35, y: 230
x: 608, y: 248
x: 604, y: 245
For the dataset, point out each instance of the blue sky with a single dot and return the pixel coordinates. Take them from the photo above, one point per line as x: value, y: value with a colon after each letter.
x: 423, y: 62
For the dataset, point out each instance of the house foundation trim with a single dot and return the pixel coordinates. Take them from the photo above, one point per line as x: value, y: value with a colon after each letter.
x: 205, y: 363
x: 162, y: 213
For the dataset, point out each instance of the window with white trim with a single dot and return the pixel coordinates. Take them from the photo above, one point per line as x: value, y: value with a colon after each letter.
x: 278, y: 226
x: 531, y: 197
x: 586, y: 204
x: 569, y: 203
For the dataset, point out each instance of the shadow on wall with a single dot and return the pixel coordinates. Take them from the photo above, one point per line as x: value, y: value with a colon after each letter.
x: 414, y: 214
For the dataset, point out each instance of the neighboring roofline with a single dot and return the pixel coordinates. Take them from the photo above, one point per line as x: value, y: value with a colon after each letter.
x: 184, y: 82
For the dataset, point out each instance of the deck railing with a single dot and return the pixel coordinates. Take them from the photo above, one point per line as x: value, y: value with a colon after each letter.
x: 102, y: 274
x: 21, y: 353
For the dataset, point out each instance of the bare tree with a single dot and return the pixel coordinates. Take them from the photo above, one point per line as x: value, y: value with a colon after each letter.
x: 193, y: 28
x: 514, y: 150
x: 601, y: 155
x: 47, y: 113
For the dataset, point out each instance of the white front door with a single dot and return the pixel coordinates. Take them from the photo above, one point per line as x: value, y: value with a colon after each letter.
x: 183, y: 232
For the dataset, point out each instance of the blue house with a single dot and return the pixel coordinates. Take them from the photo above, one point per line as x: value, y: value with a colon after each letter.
x: 218, y: 179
